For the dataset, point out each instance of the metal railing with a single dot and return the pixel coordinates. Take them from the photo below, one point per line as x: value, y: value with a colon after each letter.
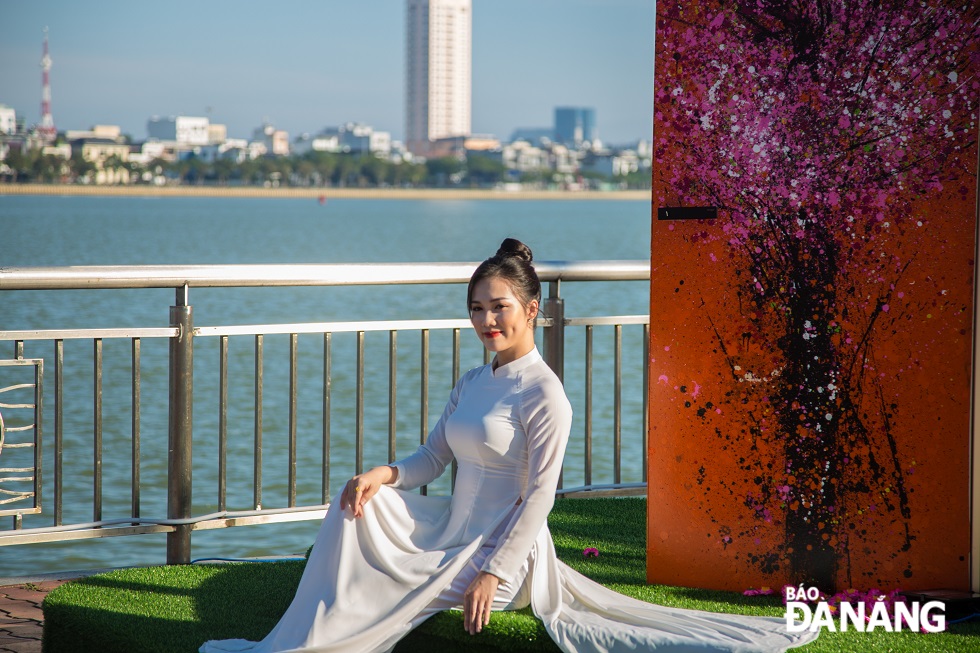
x: 181, y: 336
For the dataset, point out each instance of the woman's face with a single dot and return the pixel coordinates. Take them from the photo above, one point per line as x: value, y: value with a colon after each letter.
x: 501, y: 321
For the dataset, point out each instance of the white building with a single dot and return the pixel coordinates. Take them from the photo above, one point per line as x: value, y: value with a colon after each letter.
x: 326, y: 141
x: 380, y: 143
x: 150, y: 150
x: 563, y: 159
x: 233, y: 149
x: 186, y: 130
x: 109, y: 157
x: 351, y: 137
x: 217, y: 134
x: 110, y: 132
x: 62, y: 150
x: 8, y: 120
x: 255, y: 150
x: 524, y: 157
x: 358, y: 137
x: 276, y: 141
x: 438, y: 71
x: 614, y: 165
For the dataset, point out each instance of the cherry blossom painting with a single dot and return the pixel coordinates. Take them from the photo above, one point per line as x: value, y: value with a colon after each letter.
x: 814, y: 210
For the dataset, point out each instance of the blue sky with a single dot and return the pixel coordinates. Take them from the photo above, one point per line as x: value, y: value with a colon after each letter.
x: 305, y: 65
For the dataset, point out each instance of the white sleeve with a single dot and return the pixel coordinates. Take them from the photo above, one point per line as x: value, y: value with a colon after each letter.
x: 430, y: 459
x: 547, y: 418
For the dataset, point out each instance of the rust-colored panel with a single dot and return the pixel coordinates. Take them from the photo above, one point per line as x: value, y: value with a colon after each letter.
x: 811, y: 345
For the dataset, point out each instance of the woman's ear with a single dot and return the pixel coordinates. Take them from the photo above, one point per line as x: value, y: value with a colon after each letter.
x: 532, y: 309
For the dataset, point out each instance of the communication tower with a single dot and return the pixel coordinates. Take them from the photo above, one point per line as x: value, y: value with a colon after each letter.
x: 46, y: 129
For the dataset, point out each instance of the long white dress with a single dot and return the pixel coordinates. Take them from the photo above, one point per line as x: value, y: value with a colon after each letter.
x: 369, y: 581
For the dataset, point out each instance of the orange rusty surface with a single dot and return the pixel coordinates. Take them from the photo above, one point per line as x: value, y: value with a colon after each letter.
x: 925, y: 358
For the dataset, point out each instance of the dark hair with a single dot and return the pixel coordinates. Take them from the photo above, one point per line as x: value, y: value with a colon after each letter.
x: 512, y: 262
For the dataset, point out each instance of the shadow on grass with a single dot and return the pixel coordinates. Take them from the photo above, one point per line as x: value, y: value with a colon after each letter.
x: 615, y: 527
x: 168, y: 609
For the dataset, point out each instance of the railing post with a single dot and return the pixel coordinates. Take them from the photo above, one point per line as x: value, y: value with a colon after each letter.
x: 554, y: 339
x: 179, y: 455
x: 554, y: 336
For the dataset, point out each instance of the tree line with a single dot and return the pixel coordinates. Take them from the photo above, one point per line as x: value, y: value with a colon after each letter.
x: 312, y: 169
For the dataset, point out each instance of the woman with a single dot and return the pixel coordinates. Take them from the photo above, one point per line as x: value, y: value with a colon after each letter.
x: 386, y: 559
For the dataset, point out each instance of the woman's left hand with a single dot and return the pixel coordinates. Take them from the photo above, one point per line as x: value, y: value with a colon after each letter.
x: 478, y: 600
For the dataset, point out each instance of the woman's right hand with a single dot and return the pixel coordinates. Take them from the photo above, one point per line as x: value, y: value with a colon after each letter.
x: 362, y: 487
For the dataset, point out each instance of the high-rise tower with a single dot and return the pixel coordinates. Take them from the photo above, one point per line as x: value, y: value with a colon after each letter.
x: 575, y: 125
x: 46, y: 129
x: 438, y: 71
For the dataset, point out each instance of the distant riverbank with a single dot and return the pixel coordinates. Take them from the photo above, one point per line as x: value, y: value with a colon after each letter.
x: 324, y: 193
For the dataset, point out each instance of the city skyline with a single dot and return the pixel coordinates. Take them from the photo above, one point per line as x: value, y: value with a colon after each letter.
x: 316, y: 65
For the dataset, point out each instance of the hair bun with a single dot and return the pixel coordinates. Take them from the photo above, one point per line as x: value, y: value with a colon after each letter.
x: 511, y: 247
x: 512, y: 263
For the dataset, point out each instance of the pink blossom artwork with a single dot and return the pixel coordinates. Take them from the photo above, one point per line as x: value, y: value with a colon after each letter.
x: 827, y: 310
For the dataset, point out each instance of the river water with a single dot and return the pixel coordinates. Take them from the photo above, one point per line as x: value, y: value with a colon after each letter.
x: 65, y: 231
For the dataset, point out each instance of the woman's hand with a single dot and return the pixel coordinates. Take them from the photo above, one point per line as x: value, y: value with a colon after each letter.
x: 362, y: 487
x: 477, y: 601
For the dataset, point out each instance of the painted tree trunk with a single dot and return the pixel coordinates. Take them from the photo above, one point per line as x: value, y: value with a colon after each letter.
x: 809, y: 421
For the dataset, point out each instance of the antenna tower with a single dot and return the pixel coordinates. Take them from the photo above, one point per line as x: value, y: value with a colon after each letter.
x: 46, y: 129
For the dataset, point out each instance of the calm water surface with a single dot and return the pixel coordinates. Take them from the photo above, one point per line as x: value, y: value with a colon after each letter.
x: 61, y: 231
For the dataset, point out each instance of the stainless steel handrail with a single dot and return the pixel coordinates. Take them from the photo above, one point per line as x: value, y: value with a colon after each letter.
x: 327, y: 274
x: 69, y: 334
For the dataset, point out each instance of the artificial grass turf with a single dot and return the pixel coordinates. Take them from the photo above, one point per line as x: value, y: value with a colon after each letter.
x: 175, y: 609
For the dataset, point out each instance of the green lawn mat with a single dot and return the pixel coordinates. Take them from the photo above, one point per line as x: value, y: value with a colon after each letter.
x: 173, y: 609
